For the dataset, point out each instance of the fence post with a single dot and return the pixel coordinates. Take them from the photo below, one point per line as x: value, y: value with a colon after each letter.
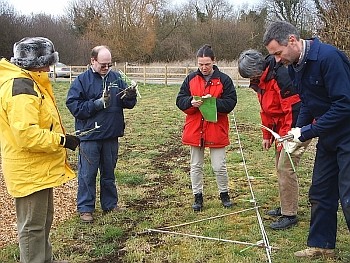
x: 144, y: 75
x: 70, y: 74
x: 166, y: 75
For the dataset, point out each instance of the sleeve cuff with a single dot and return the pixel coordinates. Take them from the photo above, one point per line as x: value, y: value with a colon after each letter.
x: 63, y: 140
x: 307, y: 133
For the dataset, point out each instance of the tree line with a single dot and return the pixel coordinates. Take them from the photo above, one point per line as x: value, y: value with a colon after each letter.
x: 145, y: 31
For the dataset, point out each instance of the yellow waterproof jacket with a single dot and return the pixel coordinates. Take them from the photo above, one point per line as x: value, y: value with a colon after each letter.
x: 31, y: 129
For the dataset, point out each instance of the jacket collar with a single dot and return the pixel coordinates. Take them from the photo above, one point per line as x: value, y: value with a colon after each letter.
x: 216, y: 73
x: 10, y: 71
x: 314, y: 49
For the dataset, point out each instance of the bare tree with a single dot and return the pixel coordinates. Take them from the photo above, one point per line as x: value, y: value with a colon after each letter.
x: 85, y: 19
x: 297, y: 12
x: 336, y: 22
x: 149, y: 30
x: 173, y: 28
x: 252, y: 27
x: 11, y: 28
x: 182, y: 31
x: 128, y: 27
x: 132, y: 27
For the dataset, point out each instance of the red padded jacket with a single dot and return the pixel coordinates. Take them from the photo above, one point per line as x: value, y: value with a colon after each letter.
x: 197, y: 131
x: 277, y: 112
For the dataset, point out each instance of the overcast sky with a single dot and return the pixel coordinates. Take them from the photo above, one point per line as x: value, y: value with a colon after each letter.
x: 57, y: 7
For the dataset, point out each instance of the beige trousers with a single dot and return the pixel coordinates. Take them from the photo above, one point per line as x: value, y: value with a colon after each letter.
x: 218, y: 163
x: 288, y: 180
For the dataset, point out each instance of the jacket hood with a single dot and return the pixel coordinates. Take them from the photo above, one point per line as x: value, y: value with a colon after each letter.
x: 8, y: 71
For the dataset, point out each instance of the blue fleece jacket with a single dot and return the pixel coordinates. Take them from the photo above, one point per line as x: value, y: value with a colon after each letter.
x: 81, y: 101
x: 323, y: 84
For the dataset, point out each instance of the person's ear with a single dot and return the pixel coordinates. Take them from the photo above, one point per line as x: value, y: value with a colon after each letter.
x: 292, y: 39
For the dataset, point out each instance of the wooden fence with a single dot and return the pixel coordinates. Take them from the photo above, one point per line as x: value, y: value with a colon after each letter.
x: 166, y: 75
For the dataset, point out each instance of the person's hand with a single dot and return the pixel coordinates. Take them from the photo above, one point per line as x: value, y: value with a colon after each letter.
x: 71, y: 142
x: 131, y: 92
x: 196, y: 103
x: 296, y: 132
x: 104, y: 101
x: 266, y: 144
x: 291, y: 146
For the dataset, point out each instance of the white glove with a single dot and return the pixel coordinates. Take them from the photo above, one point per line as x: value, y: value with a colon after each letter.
x: 296, y: 132
x: 290, y: 146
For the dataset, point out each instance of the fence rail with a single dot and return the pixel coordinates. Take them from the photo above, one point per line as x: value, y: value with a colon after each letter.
x: 167, y: 75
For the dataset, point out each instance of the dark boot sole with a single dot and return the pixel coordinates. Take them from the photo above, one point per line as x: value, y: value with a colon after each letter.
x: 197, y: 209
x: 285, y: 227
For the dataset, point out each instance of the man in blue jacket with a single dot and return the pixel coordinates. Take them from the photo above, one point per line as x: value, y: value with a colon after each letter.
x: 321, y: 74
x: 97, y: 98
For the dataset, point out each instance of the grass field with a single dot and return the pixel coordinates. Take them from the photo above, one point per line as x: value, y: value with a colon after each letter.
x: 154, y: 185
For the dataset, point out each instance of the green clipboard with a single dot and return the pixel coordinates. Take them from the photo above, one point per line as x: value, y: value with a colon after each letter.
x: 208, y: 108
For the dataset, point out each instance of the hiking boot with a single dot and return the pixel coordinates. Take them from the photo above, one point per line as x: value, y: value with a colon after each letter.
x: 198, y: 202
x: 86, y: 217
x: 116, y: 209
x: 225, y: 200
x: 315, y: 252
x: 284, y: 222
x: 275, y: 212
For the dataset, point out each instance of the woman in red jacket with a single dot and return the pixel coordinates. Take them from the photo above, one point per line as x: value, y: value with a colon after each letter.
x: 279, y: 109
x: 207, y: 91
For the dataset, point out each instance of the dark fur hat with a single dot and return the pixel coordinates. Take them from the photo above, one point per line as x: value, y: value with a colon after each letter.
x: 34, y: 52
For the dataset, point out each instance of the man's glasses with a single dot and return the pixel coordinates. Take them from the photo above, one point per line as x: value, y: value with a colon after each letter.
x: 105, y: 65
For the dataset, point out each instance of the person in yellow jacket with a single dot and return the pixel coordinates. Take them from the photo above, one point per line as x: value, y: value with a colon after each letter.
x: 33, y: 143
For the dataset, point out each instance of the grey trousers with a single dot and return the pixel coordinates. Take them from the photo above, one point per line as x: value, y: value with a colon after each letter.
x: 218, y: 163
x: 288, y: 184
x: 34, y: 219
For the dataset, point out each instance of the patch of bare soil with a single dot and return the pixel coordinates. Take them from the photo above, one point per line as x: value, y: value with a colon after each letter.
x: 162, y: 164
x: 64, y: 203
